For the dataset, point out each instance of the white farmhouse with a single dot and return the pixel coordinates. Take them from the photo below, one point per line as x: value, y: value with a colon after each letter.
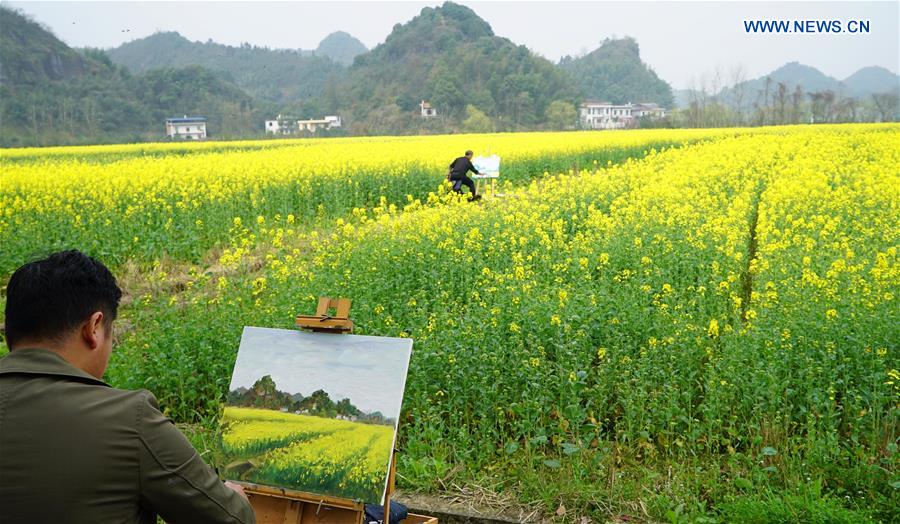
x: 647, y: 109
x: 314, y: 125
x: 189, y: 127
x: 596, y: 114
x: 281, y: 126
x: 427, y: 110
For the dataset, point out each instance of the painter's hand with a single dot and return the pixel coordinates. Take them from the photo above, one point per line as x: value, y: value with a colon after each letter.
x: 236, y: 487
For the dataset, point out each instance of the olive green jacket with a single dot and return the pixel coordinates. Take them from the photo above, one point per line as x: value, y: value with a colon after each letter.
x: 74, y: 449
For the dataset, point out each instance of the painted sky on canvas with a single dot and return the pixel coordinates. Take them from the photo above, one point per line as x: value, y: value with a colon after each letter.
x: 370, y: 371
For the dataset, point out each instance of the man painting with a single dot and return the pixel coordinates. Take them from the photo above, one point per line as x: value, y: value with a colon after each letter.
x: 459, y: 170
x: 72, y: 448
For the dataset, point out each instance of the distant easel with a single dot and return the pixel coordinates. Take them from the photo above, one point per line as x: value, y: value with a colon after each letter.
x: 488, y: 172
x: 285, y: 506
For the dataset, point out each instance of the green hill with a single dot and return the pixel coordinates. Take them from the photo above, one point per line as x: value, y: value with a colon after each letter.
x: 274, y: 75
x: 860, y: 85
x: 31, y: 55
x: 615, y: 73
x: 52, y: 94
x: 451, y: 58
x: 341, y: 47
x: 872, y: 80
x: 792, y: 75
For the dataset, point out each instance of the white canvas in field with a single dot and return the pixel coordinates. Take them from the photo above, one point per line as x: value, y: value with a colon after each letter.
x: 488, y: 166
x: 315, y: 412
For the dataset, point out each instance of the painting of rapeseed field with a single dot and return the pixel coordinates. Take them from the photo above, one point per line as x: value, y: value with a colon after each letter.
x: 314, y: 412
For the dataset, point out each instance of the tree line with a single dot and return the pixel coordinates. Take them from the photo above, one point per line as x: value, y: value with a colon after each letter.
x: 772, y: 102
x: 264, y: 394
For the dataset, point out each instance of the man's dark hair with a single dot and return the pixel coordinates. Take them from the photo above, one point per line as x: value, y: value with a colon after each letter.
x: 468, y: 152
x: 47, y: 298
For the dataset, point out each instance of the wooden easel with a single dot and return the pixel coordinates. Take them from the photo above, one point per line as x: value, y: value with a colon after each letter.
x: 323, y: 322
x: 483, y: 182
x: 284, y: 506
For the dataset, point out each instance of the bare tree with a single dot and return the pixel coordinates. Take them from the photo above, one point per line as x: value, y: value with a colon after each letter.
x: 738, y: 90
x: 815, y: 102
x: 822, y: 106
x: 696, y: 113
x: 715, y: 90
x: 780, y: 103
x: 768, y: 89
x: 886, y: 104
x: 762, y: 103
x: 829, y: 99
x: 796, y: 104
x: 848, y: 109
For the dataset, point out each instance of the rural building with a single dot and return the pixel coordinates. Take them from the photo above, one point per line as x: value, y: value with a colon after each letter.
x: 289, y: 126
x: 427, y: 110
x: 314, y: 125
x: 596, y: 114
x: 281, y: 126
x: 648, y: 109
x: 189, y: 127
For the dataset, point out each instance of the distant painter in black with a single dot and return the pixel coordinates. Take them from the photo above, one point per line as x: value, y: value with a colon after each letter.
x: 459, y: 170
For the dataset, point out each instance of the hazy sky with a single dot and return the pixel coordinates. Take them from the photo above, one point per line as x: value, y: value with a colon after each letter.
x: 681, y: 41
x: 370, y: 371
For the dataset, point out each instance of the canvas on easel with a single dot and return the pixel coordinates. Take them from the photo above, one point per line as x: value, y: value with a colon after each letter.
x: 488, y: 172
x: 315, y: 412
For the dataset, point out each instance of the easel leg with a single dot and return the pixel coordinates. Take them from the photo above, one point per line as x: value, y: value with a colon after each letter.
x: 390, y: 490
